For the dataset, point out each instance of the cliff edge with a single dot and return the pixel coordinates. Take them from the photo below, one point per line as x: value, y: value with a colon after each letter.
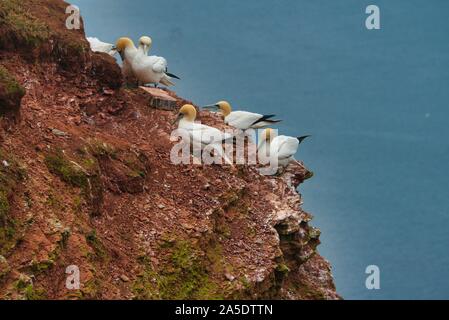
x: 86, y: 180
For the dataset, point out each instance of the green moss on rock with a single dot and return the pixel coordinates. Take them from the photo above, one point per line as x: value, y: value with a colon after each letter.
x: 8, y: 233
x: 145, y: 287
x: 95, y: 243
x: 4, y: 205
x: 11, y: 93
x: 27, y: 291
x: 4, y: 267
x: 184, y: 276
x: 91, y: 290
x: 32, y: 293
x: 59, y: 165
x: 43, y: 266
x: 83, y: 173
x: 10, y: 84
x: 99, y: 149
x: 11, y: 174
x: 283, y: 268
x: 19, y: 21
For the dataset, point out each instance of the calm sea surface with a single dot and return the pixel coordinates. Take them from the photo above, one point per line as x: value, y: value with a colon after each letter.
x: 376, y: 103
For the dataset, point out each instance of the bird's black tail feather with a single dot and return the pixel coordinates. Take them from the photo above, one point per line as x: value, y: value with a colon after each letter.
x: 171, y: 75
x: 301, y: 139
x: 273, y: 121
x: 266, y: 118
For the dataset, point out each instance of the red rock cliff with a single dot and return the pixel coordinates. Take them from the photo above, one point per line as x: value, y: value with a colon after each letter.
x: 86, y: 180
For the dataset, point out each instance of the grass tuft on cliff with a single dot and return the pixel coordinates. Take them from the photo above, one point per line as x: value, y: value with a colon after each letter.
x: 59, y: 165
x: 18, y: 20
x: 10, y: 84
x: 184, y: 276
x: 11, y: 174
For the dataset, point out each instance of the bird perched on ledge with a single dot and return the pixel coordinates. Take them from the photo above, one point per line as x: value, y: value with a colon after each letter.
x: 150, y: 69
x: 99, y: 46
x: 128, y: 51
x: 242, y: 120
x: 145, y: 43
x: 200, y: 133
x: 282, y: 149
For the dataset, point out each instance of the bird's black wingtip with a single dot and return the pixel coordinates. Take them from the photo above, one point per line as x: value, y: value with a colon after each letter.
x: 273, y: 121
x: 266, y: 118
x: 171, y: 75
x: 301, y: 139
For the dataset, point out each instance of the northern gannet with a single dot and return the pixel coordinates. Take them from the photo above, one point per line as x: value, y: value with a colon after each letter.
x: 145, y: 43
x: 99, y: 46
x: 242, y: 120
x: 279, y: 148
x: 150, y: 69
x: 200, y: 133
x: 128, y: 51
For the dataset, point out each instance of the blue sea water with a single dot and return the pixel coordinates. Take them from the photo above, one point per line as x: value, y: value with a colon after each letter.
x: 375, y: 101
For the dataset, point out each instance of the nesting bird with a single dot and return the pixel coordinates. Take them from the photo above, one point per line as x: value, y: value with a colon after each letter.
x: 242, y: 120
x: 282, y: 149
x: 99, y: 46
x: 200, y: 133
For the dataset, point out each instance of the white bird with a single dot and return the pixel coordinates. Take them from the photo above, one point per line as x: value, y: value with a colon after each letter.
x: 128, y: 51
x: 145, y: 43
x: 199, y: 133
x: 99, y: 46
x: 242, y: 120
x: 280, y: 149
x: 150, y: 69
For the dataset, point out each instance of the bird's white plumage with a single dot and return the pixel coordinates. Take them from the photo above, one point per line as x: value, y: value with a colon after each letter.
x: 150, y: 69
x: 284, y: 149
x: 203, y: 133
x: 97, y: 45
x: 160, y: 64
x: 129, y: 55
x: 281, y: 149
x: 143, y: 49
x: 242, y: 120
x: 206, y: 136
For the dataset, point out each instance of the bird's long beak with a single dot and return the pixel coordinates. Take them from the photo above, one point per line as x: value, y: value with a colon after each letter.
x: 178, y: 118
x: 212, y: 107
x: 122, y: 55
